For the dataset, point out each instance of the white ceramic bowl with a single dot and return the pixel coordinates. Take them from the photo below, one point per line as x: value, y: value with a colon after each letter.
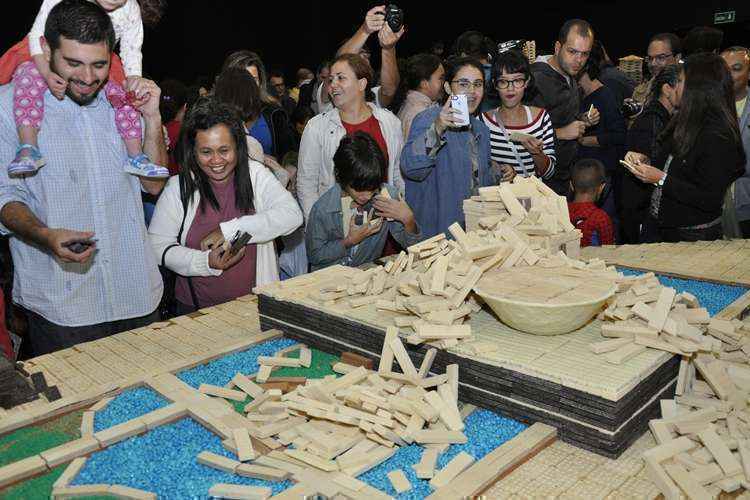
x: 545, y: 319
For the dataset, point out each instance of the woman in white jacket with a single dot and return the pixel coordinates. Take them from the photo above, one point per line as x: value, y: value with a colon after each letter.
x: 219, y: 192
x: 351, y: 81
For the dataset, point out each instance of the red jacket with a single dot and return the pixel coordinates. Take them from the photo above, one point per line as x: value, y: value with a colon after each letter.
x: 591, y: 220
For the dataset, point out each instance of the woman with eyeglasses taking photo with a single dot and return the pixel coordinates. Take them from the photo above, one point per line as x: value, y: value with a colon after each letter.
x: 445, y: 161
x: 522, y: 140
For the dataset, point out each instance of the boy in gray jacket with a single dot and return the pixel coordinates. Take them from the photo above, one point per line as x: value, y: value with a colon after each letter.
x: 359, y: 167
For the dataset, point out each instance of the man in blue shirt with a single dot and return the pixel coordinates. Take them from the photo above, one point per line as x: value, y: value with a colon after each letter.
x: 81, y: 195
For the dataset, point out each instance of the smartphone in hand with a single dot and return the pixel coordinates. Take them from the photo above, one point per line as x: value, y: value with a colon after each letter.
x: 459, y: 103
x: 239, y: 240
x: 79, y: 246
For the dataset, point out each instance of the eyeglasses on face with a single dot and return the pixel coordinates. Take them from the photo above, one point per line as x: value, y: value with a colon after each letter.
x: 467, y: 85
x: 658, y: 58
x: 517, y: 83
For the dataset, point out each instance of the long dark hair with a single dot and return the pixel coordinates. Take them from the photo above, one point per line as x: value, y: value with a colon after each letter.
x: 206, y: 113
x: 708, y: 96
x: 667, y: 76
x: 237, y: 87
x: 243, y: 59
x: 513, y: 61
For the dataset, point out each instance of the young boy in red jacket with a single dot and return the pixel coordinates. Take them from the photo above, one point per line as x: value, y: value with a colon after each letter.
x: 587, y: 182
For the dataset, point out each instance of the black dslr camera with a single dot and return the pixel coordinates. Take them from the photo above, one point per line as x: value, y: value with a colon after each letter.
x: 394, y: 16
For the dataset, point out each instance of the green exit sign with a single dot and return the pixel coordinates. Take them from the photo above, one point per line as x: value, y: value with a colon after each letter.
x: 724, y: 17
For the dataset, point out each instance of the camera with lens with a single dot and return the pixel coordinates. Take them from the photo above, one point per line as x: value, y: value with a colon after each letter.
x: 631, y: 108
x: 394, y: 16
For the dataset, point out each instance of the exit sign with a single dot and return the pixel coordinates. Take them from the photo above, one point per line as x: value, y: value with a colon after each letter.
x: 724, y: 17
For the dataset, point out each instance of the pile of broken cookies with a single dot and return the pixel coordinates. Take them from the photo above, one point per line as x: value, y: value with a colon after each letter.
x: 336, y: 429
x: 644, y: 314
x: 430, y: 287
x: 526, y: 204
x: 703, y: 436
x: 703, y: 448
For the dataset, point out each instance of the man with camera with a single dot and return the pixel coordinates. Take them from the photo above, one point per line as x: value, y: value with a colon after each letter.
x: 388, y: 23
x: 83, y: 267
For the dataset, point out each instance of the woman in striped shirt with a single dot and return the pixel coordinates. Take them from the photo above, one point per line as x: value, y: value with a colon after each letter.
x: 521, y: 137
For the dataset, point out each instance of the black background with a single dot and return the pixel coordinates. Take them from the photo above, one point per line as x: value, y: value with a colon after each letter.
x: 195, y: 35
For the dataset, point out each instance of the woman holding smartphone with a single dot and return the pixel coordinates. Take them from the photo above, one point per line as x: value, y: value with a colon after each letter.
x: 522, y: 139
x: 446, y: 158
x: 700, y: 154
x: 219, y: 198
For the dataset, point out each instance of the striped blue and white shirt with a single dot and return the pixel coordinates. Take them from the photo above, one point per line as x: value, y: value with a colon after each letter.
x: 502, y: 151
x: 82, y: 187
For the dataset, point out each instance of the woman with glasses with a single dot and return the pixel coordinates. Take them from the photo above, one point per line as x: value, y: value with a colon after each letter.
x: 700, y: 154
x: 445, y: 162
x: 522, y: 139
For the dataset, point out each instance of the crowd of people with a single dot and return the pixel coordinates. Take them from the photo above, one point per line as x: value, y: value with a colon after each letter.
x: 123, y: 200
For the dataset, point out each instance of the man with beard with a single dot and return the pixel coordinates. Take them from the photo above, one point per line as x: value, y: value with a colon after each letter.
x: 83, y: 266
x: 555, y: 79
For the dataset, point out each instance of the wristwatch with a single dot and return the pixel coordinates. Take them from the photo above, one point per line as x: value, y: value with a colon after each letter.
x: 660, y: 182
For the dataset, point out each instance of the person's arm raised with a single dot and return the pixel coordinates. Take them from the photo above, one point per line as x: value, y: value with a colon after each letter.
x: 389, y: 75
x: 374, y: 20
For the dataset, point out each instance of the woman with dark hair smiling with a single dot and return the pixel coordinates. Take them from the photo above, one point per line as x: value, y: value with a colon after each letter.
x: 219, y: 193
x: 533, y: 150
x: 701, y: 156
x: 444, y: 161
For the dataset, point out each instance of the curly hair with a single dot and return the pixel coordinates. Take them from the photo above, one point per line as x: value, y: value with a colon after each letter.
x: 151, y: 11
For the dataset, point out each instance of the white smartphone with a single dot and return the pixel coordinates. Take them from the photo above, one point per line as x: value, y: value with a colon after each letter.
x: 459, y: 102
